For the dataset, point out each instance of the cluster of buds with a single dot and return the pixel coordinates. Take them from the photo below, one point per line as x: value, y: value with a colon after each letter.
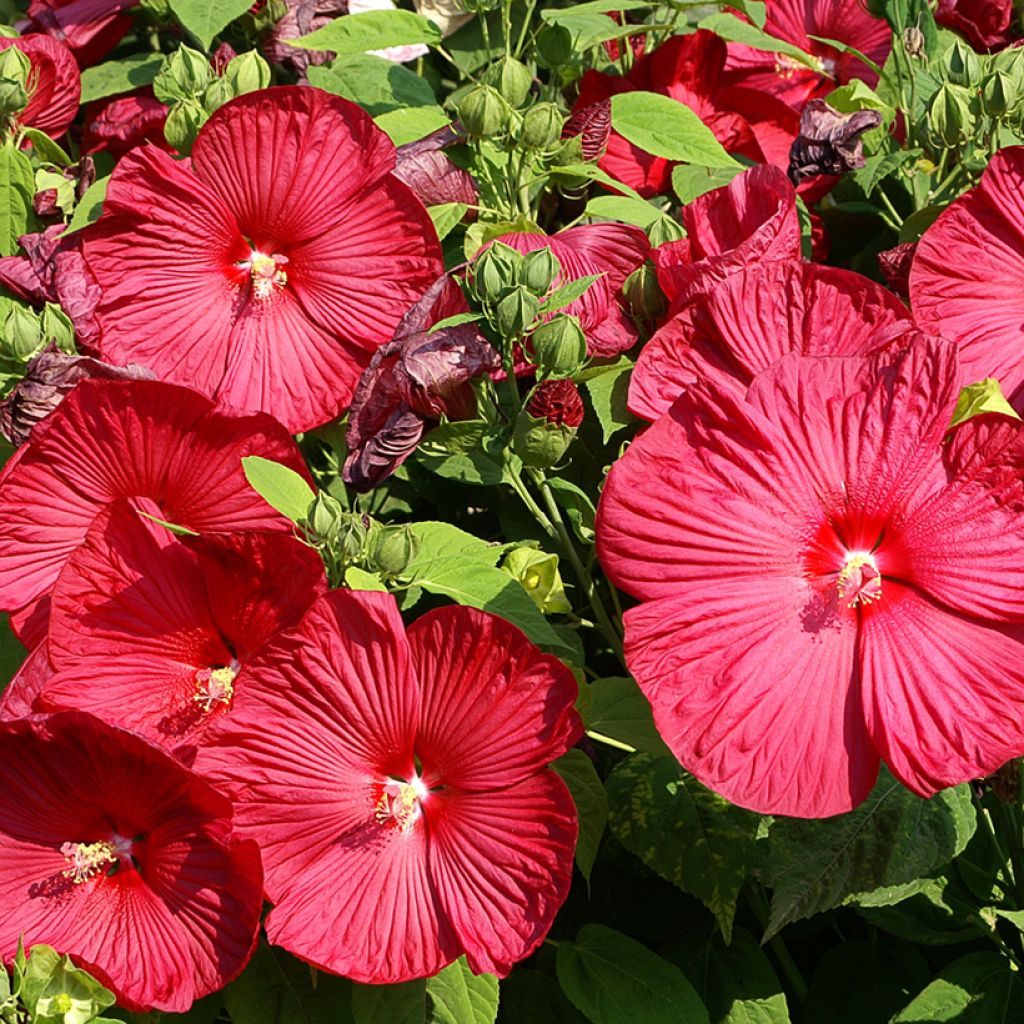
x: 25, y: 333
x: 192, y: 88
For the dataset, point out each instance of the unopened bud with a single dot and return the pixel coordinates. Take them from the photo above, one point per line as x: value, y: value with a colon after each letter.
x: 15, y: 68
x: 247, y: 73
x: 539, y: 270
x: 542, y: 126
x: 559, y: 345
x: 23, y: 333
x: 554, y: 46
x: 184, y: 76
x: 219, y: 92
x: 352, y: 535
x: 644, y: 296
x: 182, y: 125
x: 516, y: 312
x: 949, y: 116
x: 57, y: 327
x: 324, y: 519
x: 539, y: 443
x: 962, y: 65
x: 483, y: 112
x: 511, y: 78
x: 998, y: 94
x: 394, y: 548
x: 496, y: 272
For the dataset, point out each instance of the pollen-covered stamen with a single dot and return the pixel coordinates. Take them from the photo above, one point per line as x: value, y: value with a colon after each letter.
x: 265, y: 272
x: 215, y: 686
x: 86, y: 860
x: 859, y: 580
x: 401, y: 803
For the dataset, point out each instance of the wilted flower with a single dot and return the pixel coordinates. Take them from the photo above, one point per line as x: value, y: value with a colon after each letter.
x: 124, y: 122
x: 423, y: 166
x: 986, y: 24
x: 301, y: 17
x: 557, y: 401
x: 829, y: 142
x: 895, y: 265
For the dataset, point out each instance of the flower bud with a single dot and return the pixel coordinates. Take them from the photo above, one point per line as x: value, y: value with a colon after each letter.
x: 483, y: 112
x: 496, y: 272
x: 182, y: 125
x: 393, y: 549
x: 15, y: 67
x: 219, y: 92
x: 542, y: 126
x: 949, y: 115
x: 539, y: 270
x: 538, y: 573
x: 511, y: 78
x: 644, y: 296
x: 998, y: 94
x: 352, y: 535
x: 962, y: 65
x: 559, y: 345
x: 516, y: 312
x: 222, y: 57
x: 184, y: 76
x: 554, y: 46
x: 558, y: 402
x: 58, y: 328
x: 914, y: 42
x: 247, y: 73
x: 539, y: 443
x: 23, y: 333
x: 324, y: 519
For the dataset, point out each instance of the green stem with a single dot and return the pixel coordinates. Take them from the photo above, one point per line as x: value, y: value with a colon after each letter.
x: 759, y: 904
x: 608, y: 741
x: 887, y: 203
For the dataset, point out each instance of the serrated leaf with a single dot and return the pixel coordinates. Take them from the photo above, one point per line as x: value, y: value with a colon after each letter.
x: 90, y: 207
x: 667, y: 128
x: 580, y: 775
x: 980, y: 988
x: 983, y: 397
x: 458, y: 996
x: 690, y: 836
x: 118, y: 76
x: 609, y: 394
x: 279, y: 486
x: 371, y: 30
x: 614, y: 979
x: 17, y: 189
x: 892, y: 838
x: 734, y: 30
x: 205, y: 18
x: 378, y: 85
x: 619, y: 710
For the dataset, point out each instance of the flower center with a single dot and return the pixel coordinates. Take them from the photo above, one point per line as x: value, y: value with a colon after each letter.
x: 400, y: 804
x: 859, y: 580
x: 86, y: 860
x: 265, y: 273
x: 215, y: 686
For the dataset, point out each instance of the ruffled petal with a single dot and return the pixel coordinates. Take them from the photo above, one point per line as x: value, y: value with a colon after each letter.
x: 54, y: 84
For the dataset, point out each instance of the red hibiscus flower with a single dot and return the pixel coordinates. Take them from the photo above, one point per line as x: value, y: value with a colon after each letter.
x: 124, y: 122
x: 986, y: 24
x: 613, y: 251
x: 754, y: 317
x: 967, y: 275
x: 797, y: 22
x: 751, y: 220
x: 397, y: 785
x: 163, y: 446
x: 54, y: 85
x: 689, y: 69
x: 284, y: 255
x: 168, y: 676
x: 89, y: 28
x: 112, y: 852
x: 824, y: 581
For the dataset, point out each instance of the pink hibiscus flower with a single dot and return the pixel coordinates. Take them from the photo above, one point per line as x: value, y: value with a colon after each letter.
x: 54, y: 85
x: 285, y: 253
x: 825, y: 581
x: 796, y: 22
x: 398, y: 786
x: 751, y: 319
x: 112, y: 852
x: 168, y: 676
x: 613, y: 251
x: 967, y: 278
x: 165, y: 447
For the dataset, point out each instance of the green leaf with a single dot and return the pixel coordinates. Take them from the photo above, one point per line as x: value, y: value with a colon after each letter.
x: 941, y: 913
x: 90, y: 207
x: 568, y: 293
x: 576, y: 504
x: 178, y: 531
x: 613, y: 979
x: 594, y: 173
x: 530, y: 997
x: 371, y: 30
x: 411, y: 123
x: 667, y: 128
x: 446, y: 216
x: 980, y: 988
x: 580, y: 775
x: 12, y: 654
x: 618, y: 709
x: 278, y: 989
x: 458, y: 996
x: 457, y: 319
x: 17, y: 189
x: 279, y: 486
x: 894, y: 837
x: 691, y: 181
x: 390, y: 1004
x: 205, y: 18
x: 976, y: 399
x: 736, y: 981
x: 609, y: 393
x: 54, y: 990
x: 360, y: 579
x: 624, y: 209
x: 117, y: 76
x: 46, y: 149
x: 755, y: 10
x: 474, y: 467
x: 690, y: 836
x: 555, y: 15
x: 378, y: 85
x: 733, y: 30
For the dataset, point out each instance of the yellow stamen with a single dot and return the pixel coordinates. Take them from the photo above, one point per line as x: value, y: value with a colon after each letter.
x: 399, y: 804
x: 860, y: 578
x: 215, y: 686
x: 87, y: 860
x: 267, y: 274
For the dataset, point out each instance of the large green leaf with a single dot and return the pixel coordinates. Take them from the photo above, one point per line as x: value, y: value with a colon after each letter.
x: 614, y: 979
x: 90, y: 207
x: 117, y: 76
x: 734, y: 30
x: 690, y: 836
x: 667, y: 128
x: 376, y: 84
x: 580, y: 775
x: 371, y: 30
x: 980, y: 988
x: 454, y: 996
x: 941, y: 913
x: 17, y: 189
x: 619, y: 710
x: 609, y: 393
x: 556, y: 14
x: 205, y: 18
x: 893, y: 838
x: 279, y: 486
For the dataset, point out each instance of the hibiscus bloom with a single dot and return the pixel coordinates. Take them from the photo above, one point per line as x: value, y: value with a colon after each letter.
x: 165, y: 447
x: 986, y: 24
x: 612, y: 251
x: 825, y: 580
x: 89, y: 28
x: 689, y: 69
x: 397, y: 783
x: 116, y: 855
x: 284, y: 256
x: 168, y: 676
x: 754, y: 317
x: 751, y: 220
x: 54, y: 86
x: 798, y: 22
x: 965, y: 281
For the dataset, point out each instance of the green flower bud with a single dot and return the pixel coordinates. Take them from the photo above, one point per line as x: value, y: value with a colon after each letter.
x: 182, y: 126
x: 15, y: 68
x: 538, y: 572
x: 483, y: 112
x: 949, y: 115
x: 542, y: 126
x: 516, y: 312
x: 998, y: 94
x: 559, y: 345
x: 58, y: 328
x: 665, y: 229
x: 393, y: 549
x: 23, y: 333
x: 496, y: 272
x: 352, y: 535
x: 541, y: 443
x: 554, y: 46
x: 324, y: 519
x: 962, y: 65
x: 539, y: 270
x: 511, y: 78
x: 184, y: 76
x: 247, y: 72
x: 219, y: 92
x: 646, y: 300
